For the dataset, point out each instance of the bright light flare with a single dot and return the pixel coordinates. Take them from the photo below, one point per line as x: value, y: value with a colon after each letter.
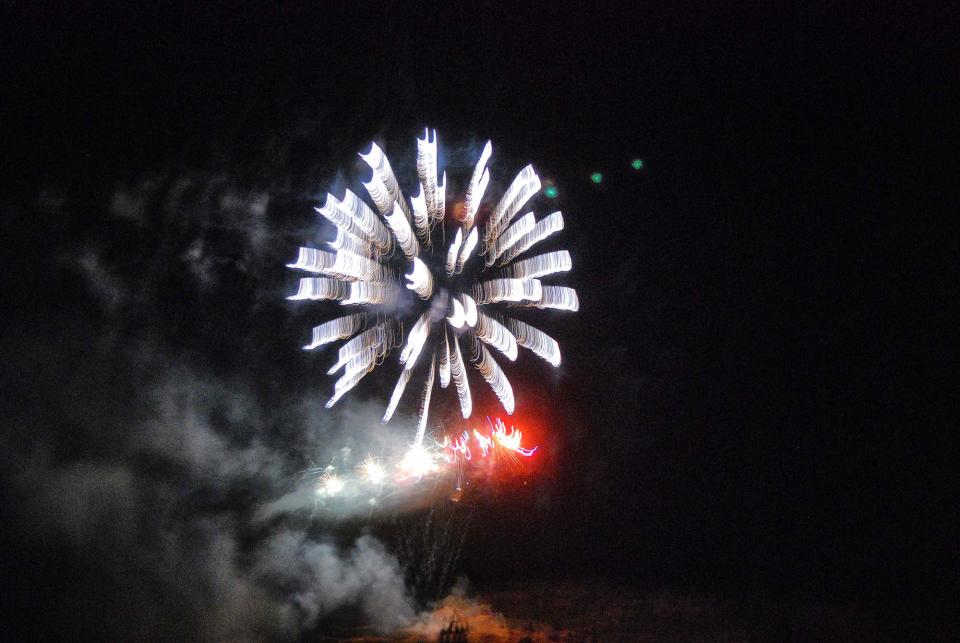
x: 330, y: 485
x: 418, y: 462
x: 372, y: 470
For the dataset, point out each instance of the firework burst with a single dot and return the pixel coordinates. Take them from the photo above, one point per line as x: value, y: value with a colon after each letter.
x: 464, y: 292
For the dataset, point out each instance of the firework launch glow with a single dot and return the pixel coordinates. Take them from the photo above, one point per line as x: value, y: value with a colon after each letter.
x: 376, y: 478
x: 454, y: 307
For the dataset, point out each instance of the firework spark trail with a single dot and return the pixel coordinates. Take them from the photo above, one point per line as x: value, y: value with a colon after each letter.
x: 431, y: 543
x: 375, y: 251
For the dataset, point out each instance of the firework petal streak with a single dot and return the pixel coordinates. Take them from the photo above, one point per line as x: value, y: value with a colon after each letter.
x: 383, y: 256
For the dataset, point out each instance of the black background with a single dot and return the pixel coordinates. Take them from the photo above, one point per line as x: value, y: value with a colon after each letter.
x: 755, y: 392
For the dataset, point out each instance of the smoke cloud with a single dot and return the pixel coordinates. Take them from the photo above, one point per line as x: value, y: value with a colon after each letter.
x: 164, y: 509
x: 161, y: 416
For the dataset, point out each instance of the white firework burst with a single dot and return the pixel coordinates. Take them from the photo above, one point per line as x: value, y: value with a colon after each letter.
x: 381, y: 261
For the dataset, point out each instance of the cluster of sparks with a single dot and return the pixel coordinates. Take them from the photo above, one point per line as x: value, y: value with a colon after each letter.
x: 500, y: 440
x: 463, y: 290
x: 430, y: 459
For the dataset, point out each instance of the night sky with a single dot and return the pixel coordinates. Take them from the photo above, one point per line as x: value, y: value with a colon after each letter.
x: 755, y: 393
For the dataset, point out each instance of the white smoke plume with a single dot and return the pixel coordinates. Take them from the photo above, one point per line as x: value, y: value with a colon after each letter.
x: 147, y: 448
x: 157, y: 512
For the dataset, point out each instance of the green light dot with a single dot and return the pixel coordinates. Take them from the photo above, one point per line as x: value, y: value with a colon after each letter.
x: 596, y: 177
x: 637, y: 164
x: 550, y: 192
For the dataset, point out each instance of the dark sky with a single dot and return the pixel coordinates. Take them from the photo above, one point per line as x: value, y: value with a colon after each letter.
x: 755, y: 393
